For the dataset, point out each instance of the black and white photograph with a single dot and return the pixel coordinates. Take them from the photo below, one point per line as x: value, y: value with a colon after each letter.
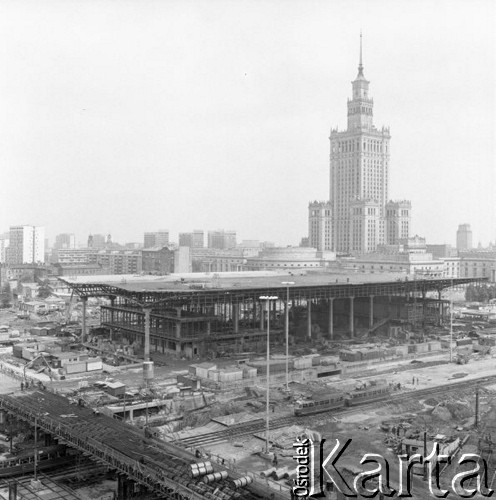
x: 247, y: 249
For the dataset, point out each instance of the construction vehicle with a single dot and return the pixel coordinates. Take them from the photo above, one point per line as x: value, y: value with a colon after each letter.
x: 51, y: 372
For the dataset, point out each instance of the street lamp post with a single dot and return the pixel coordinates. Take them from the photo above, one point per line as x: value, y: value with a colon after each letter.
x: 287, y: 283
x: 268, y: 299
x: 451, y: 330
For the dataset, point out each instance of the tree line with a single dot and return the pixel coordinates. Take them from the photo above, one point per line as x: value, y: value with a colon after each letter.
x: 482, y: 293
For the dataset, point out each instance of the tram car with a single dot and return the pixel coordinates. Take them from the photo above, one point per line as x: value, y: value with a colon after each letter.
x: 335, y: 400
x: 319, y: 404
x: 371, y: 393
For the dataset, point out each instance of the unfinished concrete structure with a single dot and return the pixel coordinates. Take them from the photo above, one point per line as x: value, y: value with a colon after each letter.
x: 192, y: 314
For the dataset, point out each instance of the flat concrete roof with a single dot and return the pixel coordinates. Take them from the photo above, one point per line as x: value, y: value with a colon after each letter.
x: 208, y: 287
x: 220, y: 281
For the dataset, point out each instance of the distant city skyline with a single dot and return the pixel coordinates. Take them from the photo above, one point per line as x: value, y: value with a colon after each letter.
x: 122, y: 119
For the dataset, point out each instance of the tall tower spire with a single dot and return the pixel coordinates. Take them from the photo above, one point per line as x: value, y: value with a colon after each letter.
x: 360, y: 65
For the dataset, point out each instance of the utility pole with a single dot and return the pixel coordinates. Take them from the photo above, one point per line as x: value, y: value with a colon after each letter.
x: 287, y: 283
x: 425, y: 455
x: 477, y: 407
x: 268, y: 299
x: 35, y: 448
x: 451, y: 330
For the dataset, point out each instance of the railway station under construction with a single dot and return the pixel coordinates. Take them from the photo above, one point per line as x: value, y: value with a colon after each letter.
x: 194, y: 315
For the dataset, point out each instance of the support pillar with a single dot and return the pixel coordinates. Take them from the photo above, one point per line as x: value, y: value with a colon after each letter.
x: 13, y: 490
x: 352, y: 318
x: 330, y: 327
x: 147, y: 334
x: 371, y: 312
x: 83, y: 322
x: 235, y: 313
x: 121, y: 489
x: 261, y: 317
x: 309, y: 319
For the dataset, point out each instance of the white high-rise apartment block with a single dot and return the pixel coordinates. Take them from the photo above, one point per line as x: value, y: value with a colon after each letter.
x: 27, y: 245
x: 359, y: 180
x: 4, y: 244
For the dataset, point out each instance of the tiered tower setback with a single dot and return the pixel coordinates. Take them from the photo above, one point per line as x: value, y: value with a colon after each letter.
x: 359, y: 181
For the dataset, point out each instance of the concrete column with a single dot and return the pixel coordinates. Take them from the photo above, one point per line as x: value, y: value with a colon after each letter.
x: 178, y: 348
x: 371, y: 312
x: 331, y: 319
x: 147, y: 311
x: 178, y: 323
x: 352, y: 313
x: 12, y: 490
x: 309, y: 319
x: 112, y: 304
x: 235, y: 313
x: 83, y: 322
x: 209, y: 327
x: 121, y: 490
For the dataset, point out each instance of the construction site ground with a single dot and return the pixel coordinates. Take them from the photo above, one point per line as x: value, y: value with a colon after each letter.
x: 447, y: 414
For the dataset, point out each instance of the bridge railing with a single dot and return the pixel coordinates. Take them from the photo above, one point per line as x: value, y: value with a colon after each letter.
x: 141, y: 473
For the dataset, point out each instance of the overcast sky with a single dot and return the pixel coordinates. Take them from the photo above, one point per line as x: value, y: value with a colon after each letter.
x: 129, y: 116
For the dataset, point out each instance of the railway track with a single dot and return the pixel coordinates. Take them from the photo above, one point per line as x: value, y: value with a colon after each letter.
x: 161, y: 467
x: 254, y: 427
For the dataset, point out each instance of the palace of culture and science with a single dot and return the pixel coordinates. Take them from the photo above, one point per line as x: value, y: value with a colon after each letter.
x: 359, y: 218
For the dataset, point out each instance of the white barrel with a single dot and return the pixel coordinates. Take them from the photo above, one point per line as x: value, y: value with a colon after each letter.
x: 147, y: 370
x: 201, y: 469
x: 216, y: 476
x: 242, y: 481
x: 268, y: 472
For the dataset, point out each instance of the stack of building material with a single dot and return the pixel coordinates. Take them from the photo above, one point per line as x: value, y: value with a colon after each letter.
x: 421, y: 348
x: 434, y: 345
x: 230, y: 375
x: 302, y: 363
x: 276, y: 366
x: 201, y: 370
x: 249, y: 372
